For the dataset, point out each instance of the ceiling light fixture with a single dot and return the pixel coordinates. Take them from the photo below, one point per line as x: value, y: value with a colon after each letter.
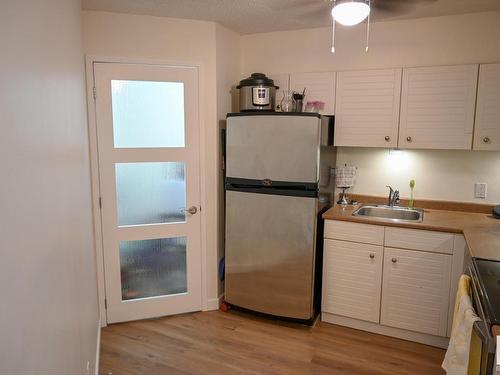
x: 350, y: 13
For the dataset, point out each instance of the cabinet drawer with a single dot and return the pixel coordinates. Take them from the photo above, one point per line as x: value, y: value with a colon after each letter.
x: 416, y: 239
x: 355, y: 232
x: 352, y: 277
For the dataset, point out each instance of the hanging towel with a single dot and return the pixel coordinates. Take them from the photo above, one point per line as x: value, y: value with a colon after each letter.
x: 462, y: 346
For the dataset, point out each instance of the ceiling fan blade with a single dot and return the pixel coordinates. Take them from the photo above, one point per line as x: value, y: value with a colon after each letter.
x: 284, y: 4
x: 291, y: 4
x: 315, y: 14
x: 398, y: 5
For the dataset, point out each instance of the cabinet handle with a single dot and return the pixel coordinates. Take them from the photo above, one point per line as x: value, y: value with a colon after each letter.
x: 372, y: 255
x: 387, y: 138
x: 408, y: 139
x: 486, y: 140
x: 394, y: 260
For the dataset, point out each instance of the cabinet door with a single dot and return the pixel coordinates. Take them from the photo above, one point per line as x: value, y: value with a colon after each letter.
x: 319, y: 86
x: 416, y: 290
x: 352, y: 276
x: 487, y: 132
x: 437, y: 107
x: 367, y: 108
x: 283, y: 82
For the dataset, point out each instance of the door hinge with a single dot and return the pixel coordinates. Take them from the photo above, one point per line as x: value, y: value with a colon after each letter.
x: 106, y: 303
x: 100, y: 202
x: 94, y: 92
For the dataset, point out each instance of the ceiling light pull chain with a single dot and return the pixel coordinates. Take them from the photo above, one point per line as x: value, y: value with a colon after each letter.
x: 333, y: 29
x: 333, y: 36
x: 368, y: 29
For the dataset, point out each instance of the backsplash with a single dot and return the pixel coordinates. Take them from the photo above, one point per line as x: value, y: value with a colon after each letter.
x: 440, y: 175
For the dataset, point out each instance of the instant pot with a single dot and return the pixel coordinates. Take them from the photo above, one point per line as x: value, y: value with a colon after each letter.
x: 257, y: 93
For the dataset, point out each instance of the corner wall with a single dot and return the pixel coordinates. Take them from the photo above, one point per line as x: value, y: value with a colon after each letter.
x: 49, y: 316
x: 228, y: 73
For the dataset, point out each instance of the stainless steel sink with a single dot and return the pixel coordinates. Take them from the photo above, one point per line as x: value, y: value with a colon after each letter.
x: 397, y: 214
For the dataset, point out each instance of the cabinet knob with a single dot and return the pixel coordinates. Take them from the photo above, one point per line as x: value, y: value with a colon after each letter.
x: 387, y: 138
x: 408, y: 139
x: 394, y: 260
x: 486, y: 140
x: 372, y: 255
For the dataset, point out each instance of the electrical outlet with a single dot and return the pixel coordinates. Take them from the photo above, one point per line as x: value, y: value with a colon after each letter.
x: 480, y: 190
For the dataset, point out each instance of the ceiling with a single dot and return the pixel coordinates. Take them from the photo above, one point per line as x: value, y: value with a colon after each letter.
x: 254, y: 16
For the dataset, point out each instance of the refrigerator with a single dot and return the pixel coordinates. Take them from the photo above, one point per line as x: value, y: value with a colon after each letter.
x: 278, y: 182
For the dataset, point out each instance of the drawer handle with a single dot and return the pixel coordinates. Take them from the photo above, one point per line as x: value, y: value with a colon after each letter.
x: 408, y: 139
x: 394, y: 260
x: 387, y: 138
x: 372, y: 255
x: 486, y: 140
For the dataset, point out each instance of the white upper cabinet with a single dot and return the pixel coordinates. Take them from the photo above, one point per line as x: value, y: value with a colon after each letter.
x: 487, y: 132
x: 437, y: 107
x: 283, y: 82
x: 367, y: 108
x: 319, y: 86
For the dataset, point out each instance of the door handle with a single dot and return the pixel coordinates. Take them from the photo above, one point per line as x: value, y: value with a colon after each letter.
x: 191, y: 210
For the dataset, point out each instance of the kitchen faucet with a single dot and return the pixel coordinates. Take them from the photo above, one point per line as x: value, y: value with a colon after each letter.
x: 393, y: 199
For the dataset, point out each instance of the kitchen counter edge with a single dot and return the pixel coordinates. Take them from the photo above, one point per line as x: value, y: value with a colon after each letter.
x: 481, y: 231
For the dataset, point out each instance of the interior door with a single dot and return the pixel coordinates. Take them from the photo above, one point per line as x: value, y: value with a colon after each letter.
x: 148, y: 146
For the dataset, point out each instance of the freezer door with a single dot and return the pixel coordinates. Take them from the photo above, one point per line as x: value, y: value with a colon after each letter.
x: 278, y: 148
x: 270, y: 250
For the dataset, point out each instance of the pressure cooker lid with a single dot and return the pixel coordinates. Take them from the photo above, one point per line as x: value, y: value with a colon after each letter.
x: 256, y: 79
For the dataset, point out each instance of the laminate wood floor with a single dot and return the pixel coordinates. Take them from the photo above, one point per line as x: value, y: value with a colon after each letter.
x: 238, y: 343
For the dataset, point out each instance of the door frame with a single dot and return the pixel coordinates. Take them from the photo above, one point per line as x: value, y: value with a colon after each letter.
x: 206, y: 304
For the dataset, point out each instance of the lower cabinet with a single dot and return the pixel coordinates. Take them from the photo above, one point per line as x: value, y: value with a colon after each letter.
x: 415, y: 291
x: 379, y: 285
x: 352, y: 277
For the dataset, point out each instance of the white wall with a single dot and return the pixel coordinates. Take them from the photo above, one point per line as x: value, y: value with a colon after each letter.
x: 472, y: 38
x: 48, y: 314
x: 228, y: 72
x: 439, y: 174
x: 462, y: 39
x: 161, y: 39
x: 228, y: 68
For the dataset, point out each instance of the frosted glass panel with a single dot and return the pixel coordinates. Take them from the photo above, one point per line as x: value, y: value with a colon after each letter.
x: 151, y: 268
x: 147, y: 114
x: 150, y: 193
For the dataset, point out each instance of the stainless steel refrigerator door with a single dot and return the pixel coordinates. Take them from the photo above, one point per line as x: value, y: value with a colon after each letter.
x: 270, y: 250
x: 279, y: 148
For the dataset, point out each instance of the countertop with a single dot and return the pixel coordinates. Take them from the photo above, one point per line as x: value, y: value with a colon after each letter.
x: 484, y: 241
x: 481, y: 231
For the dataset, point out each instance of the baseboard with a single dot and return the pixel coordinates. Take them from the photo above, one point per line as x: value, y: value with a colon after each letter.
x: 98, y: 348
x: 422, y: 338
x: 214, y: 303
